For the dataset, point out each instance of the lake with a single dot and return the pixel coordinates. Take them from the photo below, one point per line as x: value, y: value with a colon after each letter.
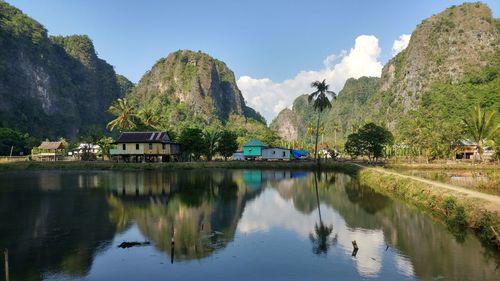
x: 225, y: 225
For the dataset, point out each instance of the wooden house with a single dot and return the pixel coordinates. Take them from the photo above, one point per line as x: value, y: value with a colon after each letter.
x: 253, y: 148
x: 49, y: 151
x: 145, y: 147
x: 275, y: 153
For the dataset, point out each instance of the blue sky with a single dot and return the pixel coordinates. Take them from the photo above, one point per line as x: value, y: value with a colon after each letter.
x: 273, y: 40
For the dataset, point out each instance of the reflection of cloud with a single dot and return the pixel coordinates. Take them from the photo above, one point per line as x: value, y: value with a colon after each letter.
x: 272, y: 211
x: 404, y: 266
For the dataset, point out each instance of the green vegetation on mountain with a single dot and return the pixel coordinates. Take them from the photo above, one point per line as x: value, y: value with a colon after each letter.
x: 52, y: 86
x: 190, y: 92
x: 452, y: 63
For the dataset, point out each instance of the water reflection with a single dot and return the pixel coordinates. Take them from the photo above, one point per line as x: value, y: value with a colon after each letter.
x: 61, y: 226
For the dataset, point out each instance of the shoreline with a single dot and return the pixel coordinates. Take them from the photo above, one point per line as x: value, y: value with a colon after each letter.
x: 457, y: 209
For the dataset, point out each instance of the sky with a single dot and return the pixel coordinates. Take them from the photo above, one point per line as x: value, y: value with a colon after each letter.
x: 276, y: 48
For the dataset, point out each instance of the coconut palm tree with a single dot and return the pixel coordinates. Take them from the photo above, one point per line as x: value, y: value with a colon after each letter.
x: 321, y: 102
x: 149, y: 117
x: 335, y: 127
x: 322, y: 132
x: 125, y: 115
x: 481, y: 126
x: 310, y: 130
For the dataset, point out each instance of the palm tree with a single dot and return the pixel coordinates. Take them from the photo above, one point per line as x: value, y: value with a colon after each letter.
x: 149, y: 117
x: 335, y: 127
x: 322, y: 132
x: 125, y: 115
x: 481, y: 127
x: 310, y: 130
x: 321, y: 237
x: 321, y: 102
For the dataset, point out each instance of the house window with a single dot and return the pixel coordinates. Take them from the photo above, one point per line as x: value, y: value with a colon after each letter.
x: 163, y: 146
x: 150, y: 146
x: 274, y: 152
x: 284, y: 154
x: 124, y: 146
x: 137, y: 146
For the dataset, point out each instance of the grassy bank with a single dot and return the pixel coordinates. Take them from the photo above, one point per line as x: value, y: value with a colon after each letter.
x: 107, y: 165
x: 445, y: 166
x: 458, y: 210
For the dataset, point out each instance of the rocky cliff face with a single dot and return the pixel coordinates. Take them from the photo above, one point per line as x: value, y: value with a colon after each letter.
x: 204, y: 86
x: 286, y: 125
x: 453, y: 57
x: 51, y: 86
x: 443, y: 48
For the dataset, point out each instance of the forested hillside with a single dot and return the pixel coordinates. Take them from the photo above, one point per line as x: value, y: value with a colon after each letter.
x: 52, y: 86
x: 451, y: 64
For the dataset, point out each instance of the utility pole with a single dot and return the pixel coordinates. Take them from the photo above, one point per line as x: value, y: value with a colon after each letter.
x: 11, y: 149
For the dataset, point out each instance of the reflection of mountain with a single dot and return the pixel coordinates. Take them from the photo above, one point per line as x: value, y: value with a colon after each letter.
x: 409, y: 231
x: 52, y: 231
x: 203, y: 209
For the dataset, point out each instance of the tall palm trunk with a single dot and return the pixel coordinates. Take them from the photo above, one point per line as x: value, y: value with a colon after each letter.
x: 317, y: 136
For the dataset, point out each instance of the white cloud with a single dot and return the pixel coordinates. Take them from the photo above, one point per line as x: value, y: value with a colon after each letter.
x: 400, y: 44
x: 269, y: 97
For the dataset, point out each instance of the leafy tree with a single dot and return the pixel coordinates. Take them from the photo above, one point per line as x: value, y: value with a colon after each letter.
x: 10, y: 138
x: 105, y: 145
x: 369, y: 141
x: 481, y: 126
x: 125, y: 115
x: 321, y: 102
x: 227, y: 143
x: 192, y: 142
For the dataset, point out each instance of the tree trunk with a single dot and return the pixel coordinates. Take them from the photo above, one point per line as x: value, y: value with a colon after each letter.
x: 317, y: 136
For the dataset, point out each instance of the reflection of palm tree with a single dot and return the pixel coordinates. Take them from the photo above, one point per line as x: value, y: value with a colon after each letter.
x: 321, y: 237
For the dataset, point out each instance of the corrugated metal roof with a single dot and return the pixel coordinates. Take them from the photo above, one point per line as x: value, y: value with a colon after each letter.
x: 144, y: 137
x: 255, y: 142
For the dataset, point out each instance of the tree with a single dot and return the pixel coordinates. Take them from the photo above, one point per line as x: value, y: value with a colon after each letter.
x: 335, y: 128
x: 149, y: 118
x: 105, y: 145
x: 369, y: 141
x: 227, y: 143
x: 481, y: 126
x: 321, y: 102
x: 211, y: 138
x: 192, y: 142
x: 12, y: 139
x: 125, y: 115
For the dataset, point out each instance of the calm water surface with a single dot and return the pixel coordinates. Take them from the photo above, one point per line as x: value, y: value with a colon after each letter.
x: 227, y: 225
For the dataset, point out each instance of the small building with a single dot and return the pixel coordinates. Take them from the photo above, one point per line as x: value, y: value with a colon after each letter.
x: 83, y: 148
x: 145, y: 147
x: 275, y: 153
x: 49, y: 151
x: 465, y: 149
x: 253, y: 148
x: 238, y: 156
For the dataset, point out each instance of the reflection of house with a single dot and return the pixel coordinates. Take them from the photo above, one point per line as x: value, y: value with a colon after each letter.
x: 145, y: 147
x: 50, y: 150
x: 253, y: 148
x: 274, y: 153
